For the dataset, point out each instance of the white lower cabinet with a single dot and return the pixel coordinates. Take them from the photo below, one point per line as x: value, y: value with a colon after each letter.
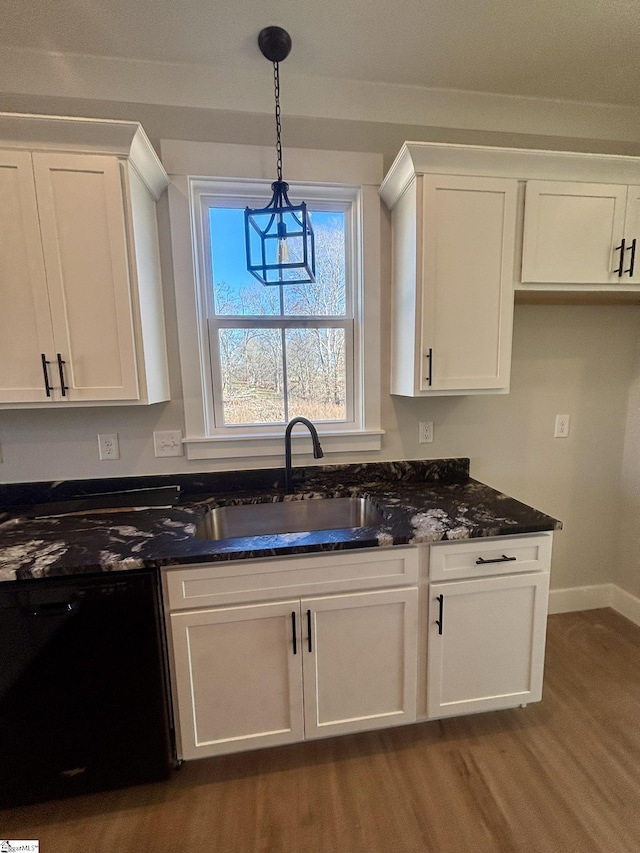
x: 486, y: 634
x: 267, y: 652
x: 359, y: 661
x: 238, y: 682
x: 267, y: 673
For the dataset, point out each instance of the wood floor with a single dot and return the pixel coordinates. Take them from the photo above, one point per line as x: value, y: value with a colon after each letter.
x: 561, y: 775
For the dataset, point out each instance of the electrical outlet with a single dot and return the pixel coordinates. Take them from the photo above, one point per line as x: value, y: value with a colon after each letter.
x: 425, y: 435
x: 562, y: 426
x: 108, y: 447
x: 168, y: 443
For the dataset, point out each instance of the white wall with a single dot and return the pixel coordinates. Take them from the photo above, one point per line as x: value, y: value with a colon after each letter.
x: 627, y: 569
x: 578, y: 360
x: 575, y: 360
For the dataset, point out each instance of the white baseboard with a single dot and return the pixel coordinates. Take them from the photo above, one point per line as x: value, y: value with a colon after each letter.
x: 626, y: 604
x: 581, y: 598
x: 592, y: 597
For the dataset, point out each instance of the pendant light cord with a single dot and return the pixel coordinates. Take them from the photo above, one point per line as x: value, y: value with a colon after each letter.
x: 276, y: 80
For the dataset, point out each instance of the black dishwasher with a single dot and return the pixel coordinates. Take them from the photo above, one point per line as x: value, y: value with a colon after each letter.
x: 83, y: 686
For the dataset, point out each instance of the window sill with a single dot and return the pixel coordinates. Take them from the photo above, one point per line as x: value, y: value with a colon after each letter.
x: 250, y: 446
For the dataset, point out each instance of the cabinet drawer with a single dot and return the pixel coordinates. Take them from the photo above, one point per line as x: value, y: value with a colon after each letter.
x: 473, y: 558
x: 260, y: 580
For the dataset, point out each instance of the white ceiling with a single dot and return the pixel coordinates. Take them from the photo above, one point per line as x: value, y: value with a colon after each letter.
x: 583, y: 50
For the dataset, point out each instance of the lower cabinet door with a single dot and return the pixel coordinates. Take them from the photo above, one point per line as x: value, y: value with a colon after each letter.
x: 238, y: 677
x: 486, y: 643
x: 359, y: 661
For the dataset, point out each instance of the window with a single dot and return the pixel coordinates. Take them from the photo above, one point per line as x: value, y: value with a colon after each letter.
x: 284, y: 350
x: 254, y: 356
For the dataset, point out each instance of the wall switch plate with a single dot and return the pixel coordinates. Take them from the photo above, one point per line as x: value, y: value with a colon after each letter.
x: 562, y: 426
x: 425, y: 435
x: 168, y: 443
x: 108, y: 446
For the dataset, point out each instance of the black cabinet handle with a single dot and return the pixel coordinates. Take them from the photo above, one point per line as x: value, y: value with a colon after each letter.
x: 47, y: 387
x: 503, y: 559
x: 63, y: 387
x: 440, y: 600
x: 309, y: 627
x: 633, y: 257
x: 621, y: 249
x: 293, y: 631
x: 429, y: 356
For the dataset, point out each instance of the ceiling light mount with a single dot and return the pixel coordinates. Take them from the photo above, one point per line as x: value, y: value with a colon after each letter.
x: 274, y: 43
x: 279, y: 239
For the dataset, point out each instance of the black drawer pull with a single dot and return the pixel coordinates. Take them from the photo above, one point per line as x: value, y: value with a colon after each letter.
x: 47, y: 387
x: 293, y: 631
x: 503, y: 559
x: 429, y: 355
x: 63, y: 386
x: 440, y: 600
x: 58, y: 608
x: 633, y: 257
x: 621, y: 249
x: 309, y: 627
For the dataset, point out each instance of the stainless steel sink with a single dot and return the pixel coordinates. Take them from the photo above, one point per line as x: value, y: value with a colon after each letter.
x: 230, y: 522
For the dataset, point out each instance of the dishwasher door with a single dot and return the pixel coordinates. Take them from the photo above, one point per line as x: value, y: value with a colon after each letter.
x: 83, y: 686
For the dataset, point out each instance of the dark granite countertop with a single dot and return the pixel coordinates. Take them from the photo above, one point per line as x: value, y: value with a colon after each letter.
x: 423, y: 501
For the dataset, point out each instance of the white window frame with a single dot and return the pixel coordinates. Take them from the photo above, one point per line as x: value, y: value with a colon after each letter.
x: 242, y: 169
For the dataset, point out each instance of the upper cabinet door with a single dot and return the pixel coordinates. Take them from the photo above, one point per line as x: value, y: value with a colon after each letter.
x: 25, y: 321
x: 468, y: 240
x: 573, y: 233
x: 84, y: 240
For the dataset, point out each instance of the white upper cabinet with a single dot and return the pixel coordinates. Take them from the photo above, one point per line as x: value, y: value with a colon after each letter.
x: 468, y: 232
x: 581, y: 233
x: 82, y: 319
x: 452, y: 288
x: 574, y: 230
x: 85, y: 250
x: 25, y: 320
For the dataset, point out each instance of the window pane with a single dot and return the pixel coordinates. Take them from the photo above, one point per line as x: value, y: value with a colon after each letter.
x: 327, y: 297
x: 236, y: 292
x: 251, y: 373
x: 261, y: 382
x: 316, y: 378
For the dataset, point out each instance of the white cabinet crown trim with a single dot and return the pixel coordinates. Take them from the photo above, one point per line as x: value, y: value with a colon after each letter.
x: 423, y: 158
x: 124, y: 139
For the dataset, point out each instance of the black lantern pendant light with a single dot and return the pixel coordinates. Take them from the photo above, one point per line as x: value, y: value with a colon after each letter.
x: 279, y: 237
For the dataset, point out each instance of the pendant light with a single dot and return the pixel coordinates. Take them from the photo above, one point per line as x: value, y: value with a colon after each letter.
x: 279, y: 238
